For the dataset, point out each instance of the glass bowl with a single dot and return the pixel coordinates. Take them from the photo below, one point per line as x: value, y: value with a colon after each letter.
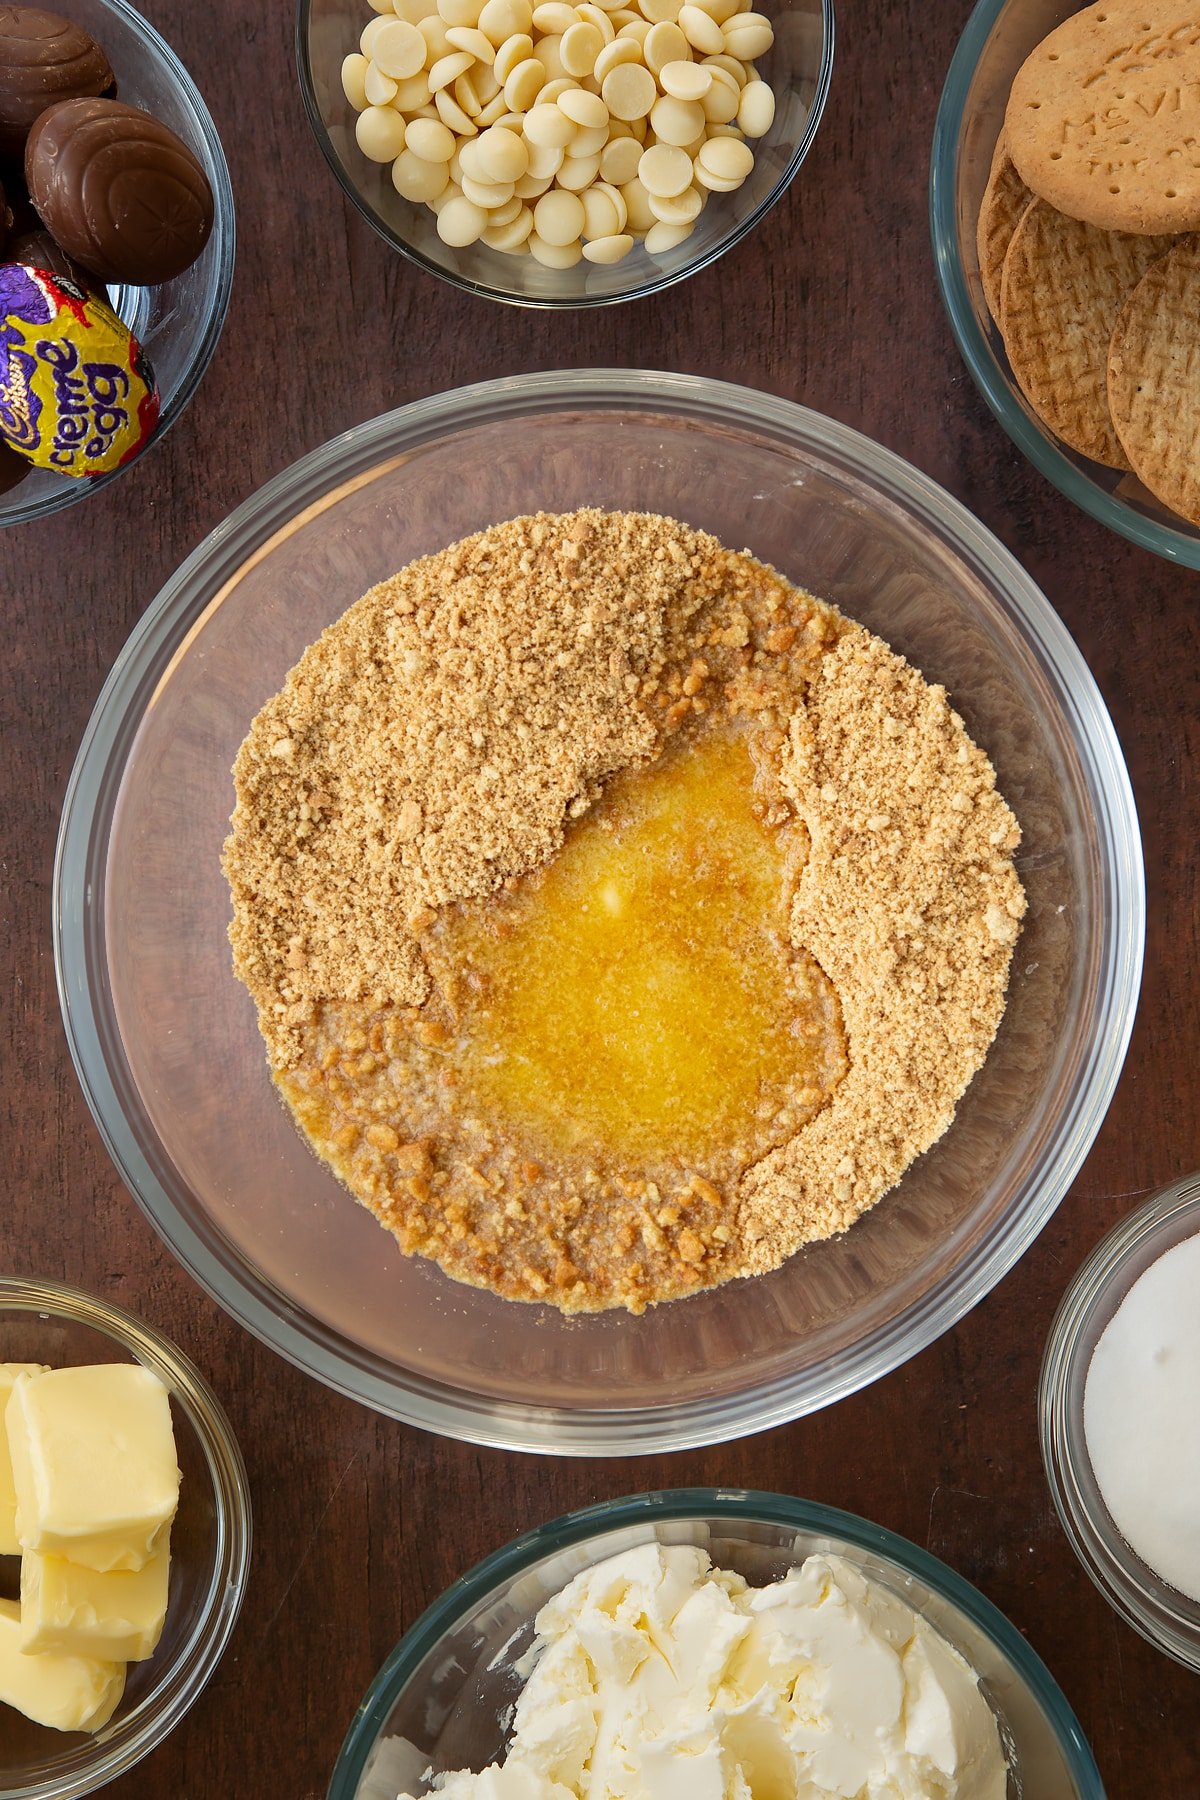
x: 178, y: 322
x: 798, y: 67
x: 1164, y: 1616
x: 42, y: 1321
x: 165, y: 1040
x: 999, y: 36
x: 445, y: 1692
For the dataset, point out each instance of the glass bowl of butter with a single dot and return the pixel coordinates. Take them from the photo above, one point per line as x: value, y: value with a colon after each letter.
x: 699, y: 1635
x: 119, y: 1585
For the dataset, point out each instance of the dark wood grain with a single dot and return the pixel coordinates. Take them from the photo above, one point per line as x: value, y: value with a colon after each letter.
x: 360, y: 1522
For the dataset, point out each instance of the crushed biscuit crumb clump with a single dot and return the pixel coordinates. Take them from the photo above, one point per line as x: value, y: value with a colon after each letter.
x: 403, y: 801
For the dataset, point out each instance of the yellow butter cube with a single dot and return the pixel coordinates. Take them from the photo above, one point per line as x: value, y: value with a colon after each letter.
x: 94, y: 1467
x: 68, y: 1693
x: 117, y: 1617
x: 9, y: 1545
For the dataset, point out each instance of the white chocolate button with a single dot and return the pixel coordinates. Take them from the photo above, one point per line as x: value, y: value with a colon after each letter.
x: 460, y: 12
x: 606, y: 190
x: 701, y: 32
x: 415, y: 179
x: 554, y: 256
x: 461, y: 223
x: 532, y: 187
x: 637, y: 30
x: 524, y: 84
x: 756, y: 109
x: 487, y: 194
x: 548, y: 51
x: 558, y: 218
x: 621, y: 50
x: 586, y: 110
x: 370, y: 35
x: 412, y: 94
x: 580, y: 47
x: 399, y: 50
x: 665, y: 171
x: 676, y: 121
x: 514, y: 50
x: 685, y: 80
x: 595, y: 15
x: 503, y: 215
x: 545, y: 160
x: 380, y: 89
x: 619, y: 162
x: 468, y: 96
x: 452, y: 114
x: 502, y: 155
x: 661, y: 11
x: 748, y: 35
x: 723, y: 98
x: 512, y: 234
x: 562, y: 84
x: 726, y: 158
x: 502, y: 19
x: 637, y: 202
x: 608, y: 249
x: 578, y: 172
x: 354, y: 75
x: 553, y: 17
x: 430, y: 140
x: 601, y: 216
x: 629, y: 91
x: 681, y: 210
x: 411, y: 11
x: 380, y: 133
x: 588, y: 142
x: 663, y: 237
x: 738, y: 71
x: 472, y: 40
x: 447, y: 69
x: 663, y: 44
x: 549, y: 128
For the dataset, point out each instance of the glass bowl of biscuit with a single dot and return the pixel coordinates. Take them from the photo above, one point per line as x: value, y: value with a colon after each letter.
x: 121, y: 1655
x: 555, y: 157
x: 644, y: 975
x: 1074, y: 314
x: 177, y: 321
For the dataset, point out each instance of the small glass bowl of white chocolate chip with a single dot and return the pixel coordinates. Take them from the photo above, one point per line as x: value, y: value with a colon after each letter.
x: 121, y: 1576
x: 554, y: 154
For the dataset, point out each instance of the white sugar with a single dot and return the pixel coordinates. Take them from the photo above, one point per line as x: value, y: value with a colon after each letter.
x: 1141, y: 1417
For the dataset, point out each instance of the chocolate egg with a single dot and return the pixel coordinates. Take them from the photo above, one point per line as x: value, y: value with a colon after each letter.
x: 43, y: 58
x: 77, y: 393
x: 118, y: 190
x: 39, y: 250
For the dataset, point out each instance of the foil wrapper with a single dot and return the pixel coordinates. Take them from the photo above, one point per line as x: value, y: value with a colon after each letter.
x: 77, y: 392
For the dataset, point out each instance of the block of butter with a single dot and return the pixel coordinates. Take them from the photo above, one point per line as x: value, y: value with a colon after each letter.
x: 69, y: 1693
x: 93, y: 1458
x: 9, y: 1545
x: 117, y: 1617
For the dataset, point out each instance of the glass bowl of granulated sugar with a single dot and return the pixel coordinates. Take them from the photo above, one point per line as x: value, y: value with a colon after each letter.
x: 165, y: 1038
x: 1119, y: 1401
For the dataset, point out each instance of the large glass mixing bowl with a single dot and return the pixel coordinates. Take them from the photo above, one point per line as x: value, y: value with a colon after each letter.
x: 165, y: 1041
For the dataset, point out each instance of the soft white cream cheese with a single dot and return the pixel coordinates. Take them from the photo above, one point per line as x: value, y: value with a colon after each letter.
x: 657, y: 1677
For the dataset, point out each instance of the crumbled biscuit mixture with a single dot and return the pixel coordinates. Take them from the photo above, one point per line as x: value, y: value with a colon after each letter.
x: 434, y: 744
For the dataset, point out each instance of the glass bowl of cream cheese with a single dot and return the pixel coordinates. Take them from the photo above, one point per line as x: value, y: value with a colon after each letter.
x: 47, y: 1326
x: 1118, y: 1403
x: 713, y: 1643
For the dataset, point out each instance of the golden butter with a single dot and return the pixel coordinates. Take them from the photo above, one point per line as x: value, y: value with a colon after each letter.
x: 9, y: 1544
x: 68, y: 1693
x: 93, y: 1456
x: 117, y: 1617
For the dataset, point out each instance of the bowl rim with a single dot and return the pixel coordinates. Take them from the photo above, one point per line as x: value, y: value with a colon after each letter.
x: 224, y: 239
x: 1162, y: 539
x: 1095, y: 1293
x: 162, y: 634
x: 565, y: 302
x: 746, y: 1505
x: 182, y: 1680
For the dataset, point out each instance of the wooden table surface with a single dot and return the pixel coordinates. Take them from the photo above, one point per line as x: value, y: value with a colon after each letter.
x: 361, y: 1522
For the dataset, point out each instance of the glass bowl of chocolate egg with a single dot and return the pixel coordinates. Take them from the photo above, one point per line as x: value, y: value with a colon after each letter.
x: 164, y: 1037
x: 85, y: 1713
x: 560, y: 156
x: 175, y: 322
x: 999, y: 37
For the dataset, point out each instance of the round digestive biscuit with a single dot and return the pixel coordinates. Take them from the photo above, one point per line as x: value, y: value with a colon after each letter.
x: 1063, y: 287
x: 1103, y: 120
x: 1005, y: 199
x: 1154, y: 378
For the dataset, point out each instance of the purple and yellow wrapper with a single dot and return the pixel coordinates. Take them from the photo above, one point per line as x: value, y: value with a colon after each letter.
x: 77, y: 392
